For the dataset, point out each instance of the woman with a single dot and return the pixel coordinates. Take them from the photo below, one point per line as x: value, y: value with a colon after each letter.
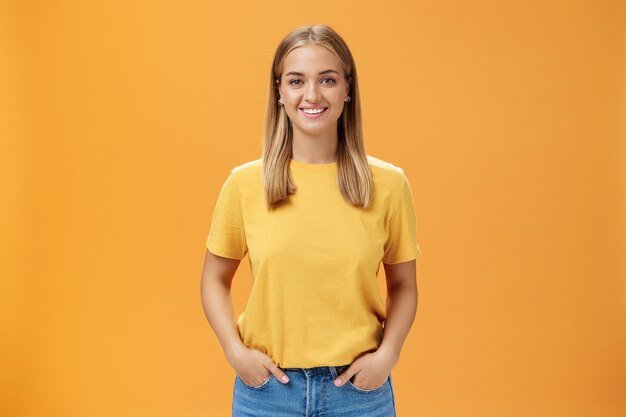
x: 316, y: 216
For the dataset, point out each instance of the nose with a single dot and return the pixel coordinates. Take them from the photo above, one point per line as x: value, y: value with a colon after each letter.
x: 311, y: 93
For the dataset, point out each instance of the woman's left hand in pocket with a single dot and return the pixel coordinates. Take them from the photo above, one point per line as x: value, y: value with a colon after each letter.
x: 370, y: 370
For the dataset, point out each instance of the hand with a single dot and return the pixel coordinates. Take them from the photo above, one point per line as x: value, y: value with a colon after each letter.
x: 371, y: 370
x: 254, y: 367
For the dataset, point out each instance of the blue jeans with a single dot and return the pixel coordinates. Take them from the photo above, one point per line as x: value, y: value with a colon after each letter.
x: 311, y: 392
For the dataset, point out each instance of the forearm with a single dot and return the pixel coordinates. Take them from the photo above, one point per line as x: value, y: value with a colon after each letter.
x: 401, y: 308
x: 218, y: 309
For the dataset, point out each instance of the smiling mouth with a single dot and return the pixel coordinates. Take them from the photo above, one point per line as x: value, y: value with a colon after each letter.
x: 315, y: 113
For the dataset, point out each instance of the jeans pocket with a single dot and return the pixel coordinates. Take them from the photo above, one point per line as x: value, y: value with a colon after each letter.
x: 264, y: 384
x: 366, y: 391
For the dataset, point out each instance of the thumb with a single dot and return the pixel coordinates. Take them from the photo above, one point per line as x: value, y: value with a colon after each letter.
x: 278, y: 373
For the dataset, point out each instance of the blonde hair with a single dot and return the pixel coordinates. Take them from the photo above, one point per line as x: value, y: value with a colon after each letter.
x: 353, y: 173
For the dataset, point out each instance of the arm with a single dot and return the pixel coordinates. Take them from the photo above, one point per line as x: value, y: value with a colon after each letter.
x: 401, y: 306
x: 217, y: 275
x: 251, y: 365
x: 401, y: 309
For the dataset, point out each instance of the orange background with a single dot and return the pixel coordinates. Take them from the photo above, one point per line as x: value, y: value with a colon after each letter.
x: 121, y: 119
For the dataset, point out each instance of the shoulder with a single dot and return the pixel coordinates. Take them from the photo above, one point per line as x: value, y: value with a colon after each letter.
x: 247, y: 167
x: 382, y: 165
x: 384, y: 172
x: 246, y: 174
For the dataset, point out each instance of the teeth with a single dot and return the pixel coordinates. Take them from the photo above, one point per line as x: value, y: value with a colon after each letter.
x: 312, y: 111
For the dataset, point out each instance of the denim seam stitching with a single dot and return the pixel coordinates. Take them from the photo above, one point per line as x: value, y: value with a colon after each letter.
x: 258, y: 386
x: 367, y: 391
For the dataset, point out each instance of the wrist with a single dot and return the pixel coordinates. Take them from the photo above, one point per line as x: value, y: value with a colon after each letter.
x: 235, y: 351
x: 391, y: 353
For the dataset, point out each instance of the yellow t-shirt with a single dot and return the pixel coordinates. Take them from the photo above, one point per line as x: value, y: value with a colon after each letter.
x: 314, y: 260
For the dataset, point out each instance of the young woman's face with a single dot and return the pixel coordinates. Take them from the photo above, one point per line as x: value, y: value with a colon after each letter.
x: 312, y: 78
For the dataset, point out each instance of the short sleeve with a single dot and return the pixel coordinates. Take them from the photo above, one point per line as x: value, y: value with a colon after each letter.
x: 227, y: 235
x: 401, y: 244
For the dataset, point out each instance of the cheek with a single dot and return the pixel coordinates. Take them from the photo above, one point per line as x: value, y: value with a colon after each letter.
x: 291, y: 100
x: 338, y: 98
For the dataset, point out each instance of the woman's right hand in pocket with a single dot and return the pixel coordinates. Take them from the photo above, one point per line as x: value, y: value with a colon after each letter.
x: 254, y: 367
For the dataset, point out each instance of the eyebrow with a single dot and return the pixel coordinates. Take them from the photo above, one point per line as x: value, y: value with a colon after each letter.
x: 323, y: 72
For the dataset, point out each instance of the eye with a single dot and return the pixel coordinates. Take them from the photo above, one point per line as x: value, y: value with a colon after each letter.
x: 332, y: 81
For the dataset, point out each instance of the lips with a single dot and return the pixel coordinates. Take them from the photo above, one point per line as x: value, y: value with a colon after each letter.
x: 313, y: 115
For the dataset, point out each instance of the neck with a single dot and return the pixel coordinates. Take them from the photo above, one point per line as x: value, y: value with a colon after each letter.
x: 314, y: 149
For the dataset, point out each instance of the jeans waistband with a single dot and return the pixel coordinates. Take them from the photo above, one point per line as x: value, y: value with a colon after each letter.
x: 319, y: 370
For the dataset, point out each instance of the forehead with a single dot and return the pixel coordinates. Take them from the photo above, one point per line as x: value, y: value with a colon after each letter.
x: 310, y: 59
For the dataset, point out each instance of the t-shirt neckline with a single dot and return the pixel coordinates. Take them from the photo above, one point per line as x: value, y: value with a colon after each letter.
x: 328, y: 166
